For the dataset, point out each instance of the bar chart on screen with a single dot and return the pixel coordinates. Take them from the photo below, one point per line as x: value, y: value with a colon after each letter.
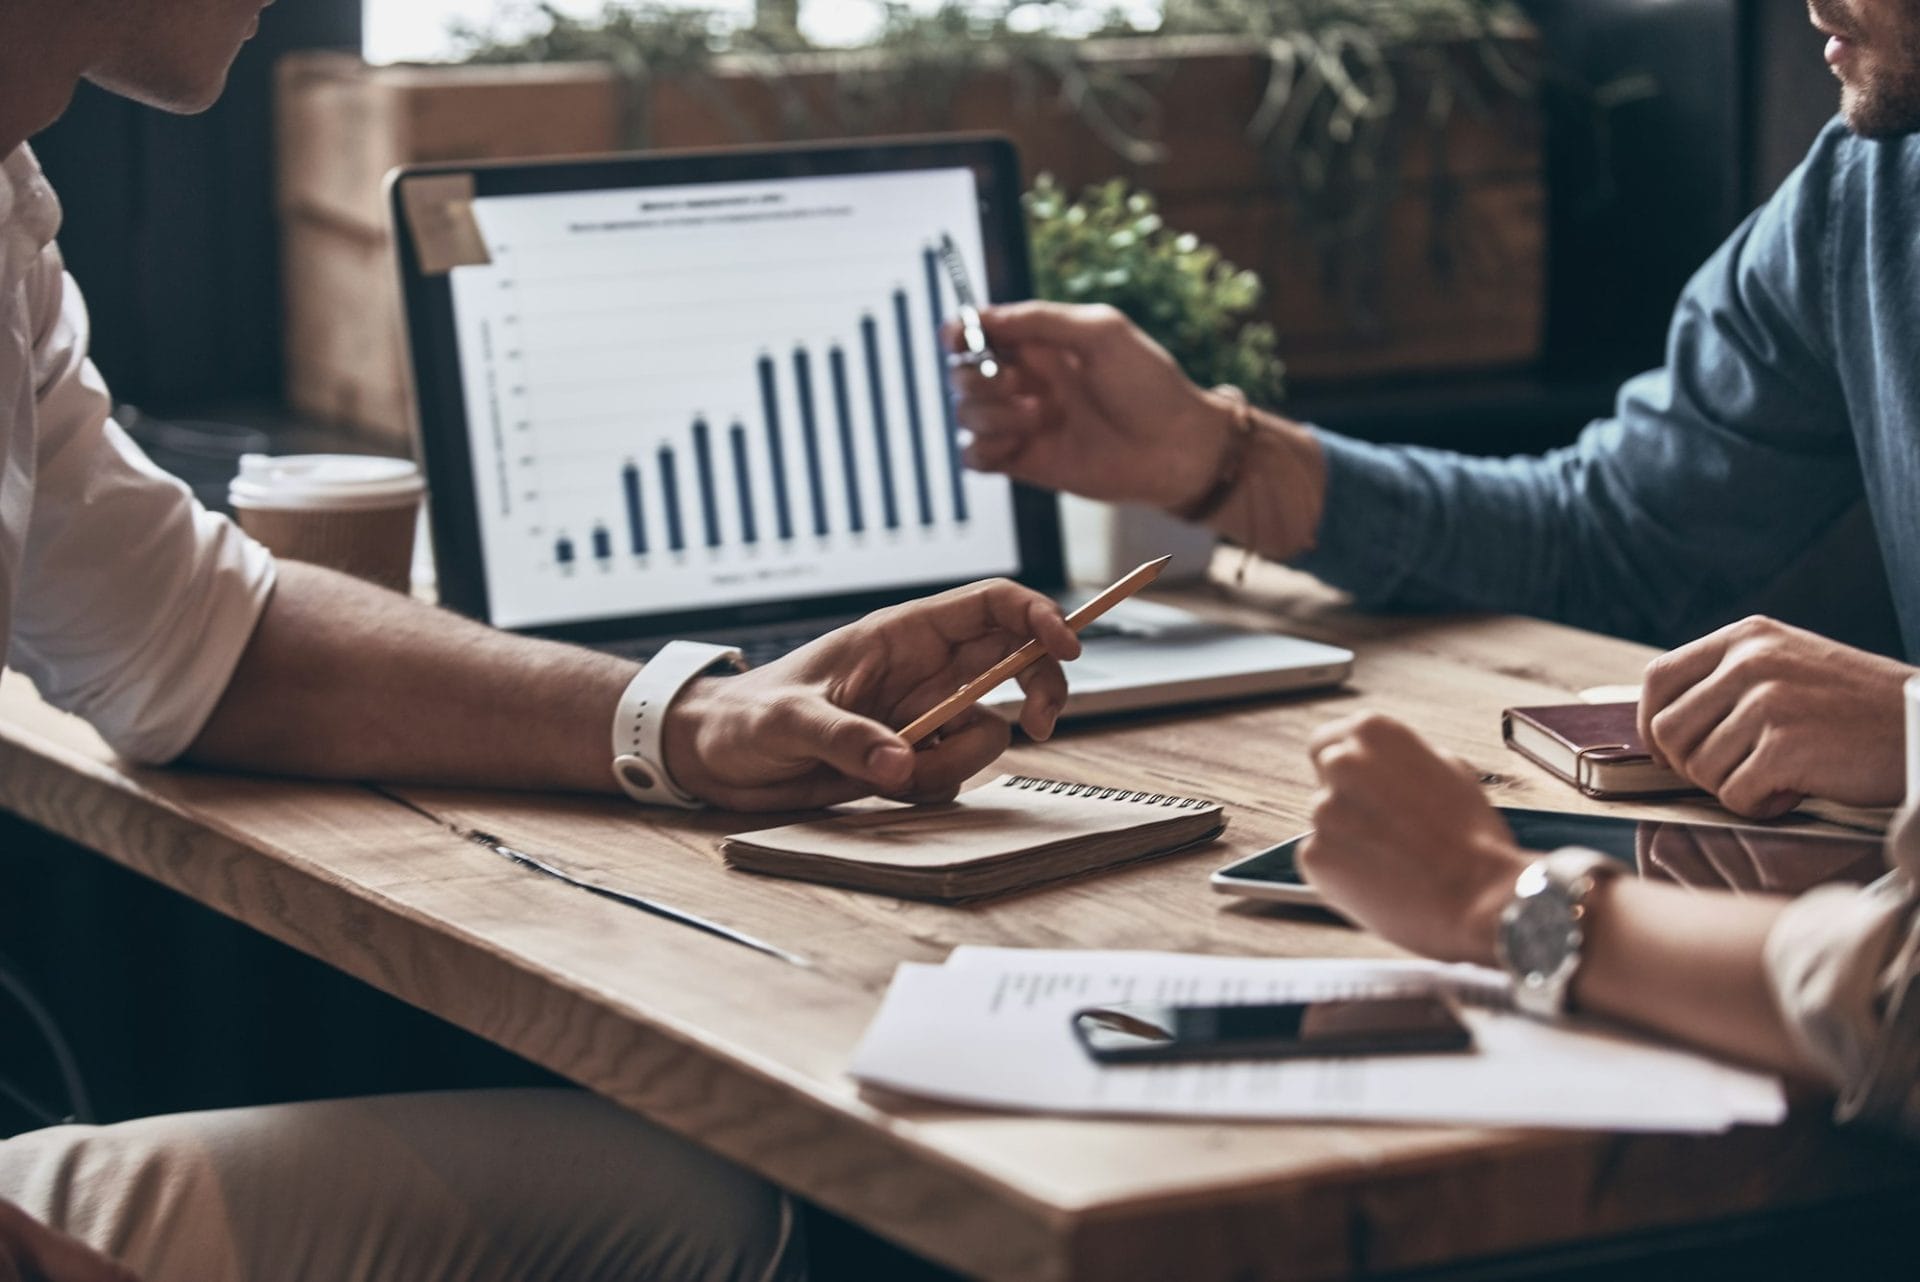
x: 681, y: 397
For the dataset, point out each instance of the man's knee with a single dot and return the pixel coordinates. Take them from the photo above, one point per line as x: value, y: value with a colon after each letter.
x: 475, y: 1186
x: 557, y: 1183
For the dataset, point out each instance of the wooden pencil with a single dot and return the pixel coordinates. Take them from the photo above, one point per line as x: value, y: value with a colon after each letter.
x: 1027, y: 655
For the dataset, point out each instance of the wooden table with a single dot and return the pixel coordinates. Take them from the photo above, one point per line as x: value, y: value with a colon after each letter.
x: 745, y: 1053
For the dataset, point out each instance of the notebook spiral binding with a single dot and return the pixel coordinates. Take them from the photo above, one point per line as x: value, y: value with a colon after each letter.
x: 1061, y: 787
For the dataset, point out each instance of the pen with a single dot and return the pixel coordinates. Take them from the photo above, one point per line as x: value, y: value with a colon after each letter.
x: 972, y: 334
x: 1027, y: 655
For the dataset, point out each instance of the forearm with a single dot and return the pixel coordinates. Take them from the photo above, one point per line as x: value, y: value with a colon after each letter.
x: 1427, y: 529
x: 343, y: 680
x: 1653, y: 525
x: 1399, y: 528
x: 1276, y: 507
x: 1690, y: 966
x: 1405, y: 844
x: 1422, y: 529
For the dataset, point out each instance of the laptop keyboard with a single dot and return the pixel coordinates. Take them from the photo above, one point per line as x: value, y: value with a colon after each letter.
x: 759, y: 648
x: 1100, y: 628
x: 764, y: 647
x: 764, y: 650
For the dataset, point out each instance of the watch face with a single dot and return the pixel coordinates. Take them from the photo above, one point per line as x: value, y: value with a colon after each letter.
x: 1540, y: 932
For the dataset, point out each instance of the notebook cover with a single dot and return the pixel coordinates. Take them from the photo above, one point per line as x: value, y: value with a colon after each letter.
x: 1014, y: 820
x: 1592, y: 741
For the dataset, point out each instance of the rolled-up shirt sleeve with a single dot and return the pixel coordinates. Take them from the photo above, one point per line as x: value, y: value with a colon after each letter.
x: 1842, y: 961
x: 134, y: 602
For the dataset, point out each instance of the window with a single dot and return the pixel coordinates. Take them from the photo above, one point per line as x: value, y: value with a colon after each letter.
x: 417, y: 30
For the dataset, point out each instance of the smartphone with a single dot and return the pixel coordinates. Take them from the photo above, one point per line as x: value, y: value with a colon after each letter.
x: 1130, y: 1033
x: 1735, y: 857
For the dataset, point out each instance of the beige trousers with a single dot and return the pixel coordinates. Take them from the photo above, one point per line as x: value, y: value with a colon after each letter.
x: 478, y: 1186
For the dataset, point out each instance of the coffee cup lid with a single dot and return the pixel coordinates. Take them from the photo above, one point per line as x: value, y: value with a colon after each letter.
x: 328, y: 481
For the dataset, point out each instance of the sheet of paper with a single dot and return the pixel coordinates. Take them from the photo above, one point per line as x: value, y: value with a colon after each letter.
x: 990, y: 1028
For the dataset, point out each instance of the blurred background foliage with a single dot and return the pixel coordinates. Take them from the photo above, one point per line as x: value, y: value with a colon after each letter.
x: 1338, y: 68
x: 1351, y: 87
x: 1112, y: 246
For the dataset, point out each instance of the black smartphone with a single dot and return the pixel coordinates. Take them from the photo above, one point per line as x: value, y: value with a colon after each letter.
x: 1141, y: 1033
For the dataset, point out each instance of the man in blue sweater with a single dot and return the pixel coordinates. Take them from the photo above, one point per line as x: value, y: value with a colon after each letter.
x: 1790, y: 394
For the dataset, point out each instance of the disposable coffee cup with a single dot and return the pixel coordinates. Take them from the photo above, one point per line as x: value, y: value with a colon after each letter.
x: 349, y: 512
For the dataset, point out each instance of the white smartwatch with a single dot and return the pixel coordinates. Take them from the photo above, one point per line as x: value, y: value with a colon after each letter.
x: 1543, y: 927
x: 639, y: 757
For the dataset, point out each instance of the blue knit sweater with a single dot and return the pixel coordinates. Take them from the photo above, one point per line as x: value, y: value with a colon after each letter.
x: 1791, y: 389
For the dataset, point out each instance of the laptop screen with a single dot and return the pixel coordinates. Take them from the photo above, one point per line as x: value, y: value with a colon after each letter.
x: 687, y: 397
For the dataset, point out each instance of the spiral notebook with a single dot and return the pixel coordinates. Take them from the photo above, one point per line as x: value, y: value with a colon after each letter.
x: 1010, y: 834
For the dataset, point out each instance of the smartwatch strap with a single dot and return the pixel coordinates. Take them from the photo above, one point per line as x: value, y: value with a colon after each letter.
x: 639, y: 756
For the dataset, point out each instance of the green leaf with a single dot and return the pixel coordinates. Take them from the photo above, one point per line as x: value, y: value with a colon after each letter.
x: 1109, y: 247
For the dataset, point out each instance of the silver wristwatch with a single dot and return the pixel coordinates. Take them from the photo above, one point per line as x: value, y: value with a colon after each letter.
x: 1542, y: 927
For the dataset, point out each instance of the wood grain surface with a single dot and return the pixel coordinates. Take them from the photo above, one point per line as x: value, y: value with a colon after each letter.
x: 746, y: 1054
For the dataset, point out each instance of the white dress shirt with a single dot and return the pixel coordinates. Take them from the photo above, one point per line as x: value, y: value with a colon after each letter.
x: 1844, y: 964
x: 120, y: 596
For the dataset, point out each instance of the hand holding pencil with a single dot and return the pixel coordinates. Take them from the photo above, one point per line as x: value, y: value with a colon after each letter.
x: 1010, y: 668
x: 817, y: 727
x: 813, y: 728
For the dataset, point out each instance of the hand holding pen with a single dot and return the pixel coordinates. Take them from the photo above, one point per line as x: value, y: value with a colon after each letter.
x: 1084, y: 402
x: 1088, y: 405
x: 974, y: 353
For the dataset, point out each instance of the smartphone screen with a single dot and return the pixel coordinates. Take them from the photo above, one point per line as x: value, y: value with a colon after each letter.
x: 1710, y: 856
x: 1143, y: 1033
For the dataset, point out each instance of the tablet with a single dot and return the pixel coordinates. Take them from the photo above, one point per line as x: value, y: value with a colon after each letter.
x: 1735, y: 857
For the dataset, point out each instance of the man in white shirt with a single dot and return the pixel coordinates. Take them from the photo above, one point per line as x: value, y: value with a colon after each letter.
x: 177, y: 636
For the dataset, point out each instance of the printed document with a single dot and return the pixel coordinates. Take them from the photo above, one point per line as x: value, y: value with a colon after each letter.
x: 991, y: 1028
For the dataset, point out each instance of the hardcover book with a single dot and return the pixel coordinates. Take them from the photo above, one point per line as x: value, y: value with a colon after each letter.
x: 1596, y: 747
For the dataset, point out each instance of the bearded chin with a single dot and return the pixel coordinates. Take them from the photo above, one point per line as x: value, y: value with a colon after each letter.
x: 1886, y: 102
x: 1880, y: 110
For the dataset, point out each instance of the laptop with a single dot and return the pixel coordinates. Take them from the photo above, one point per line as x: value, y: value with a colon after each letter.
x: 703, y: 396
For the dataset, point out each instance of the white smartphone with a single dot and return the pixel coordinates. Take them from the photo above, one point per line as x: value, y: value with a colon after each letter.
x: 1722, y: 856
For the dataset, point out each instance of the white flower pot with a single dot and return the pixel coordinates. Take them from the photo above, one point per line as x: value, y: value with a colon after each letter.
x: 1105, y: 540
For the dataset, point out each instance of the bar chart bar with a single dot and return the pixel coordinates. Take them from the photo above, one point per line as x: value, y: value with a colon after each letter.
x: 670, y: 490
x: 837, y: 365
x: 743, y: 478
x: 636, y: 523
x: 776, y: 449
x: 703, y: 465
x: 722, y: 444
x: 870, y: 340
x: 810, y: 434
x: 956, y: 468
x: 916, y: 430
